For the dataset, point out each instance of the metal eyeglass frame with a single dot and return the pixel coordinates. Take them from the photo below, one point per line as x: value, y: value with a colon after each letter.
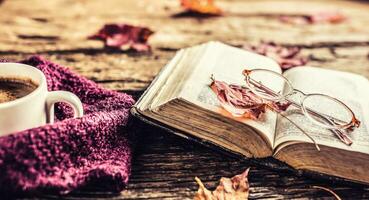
x: 333, y: 123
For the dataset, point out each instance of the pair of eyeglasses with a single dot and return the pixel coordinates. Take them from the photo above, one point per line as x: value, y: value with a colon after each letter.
x: 323, y: 110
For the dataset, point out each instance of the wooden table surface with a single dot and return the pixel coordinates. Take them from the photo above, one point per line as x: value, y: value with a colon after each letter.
x: 164, y: 165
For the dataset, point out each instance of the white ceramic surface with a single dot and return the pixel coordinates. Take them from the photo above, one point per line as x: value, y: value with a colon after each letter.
x: 36, y: 108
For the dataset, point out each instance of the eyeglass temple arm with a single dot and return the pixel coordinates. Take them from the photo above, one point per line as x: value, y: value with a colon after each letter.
x: 298, y: 127
x: 340, y: 134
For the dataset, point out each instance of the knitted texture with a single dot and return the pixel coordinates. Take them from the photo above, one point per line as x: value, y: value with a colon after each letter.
x: 70, y: 153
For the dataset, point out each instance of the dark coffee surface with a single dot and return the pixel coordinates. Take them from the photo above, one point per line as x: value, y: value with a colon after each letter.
x: 15, y: 88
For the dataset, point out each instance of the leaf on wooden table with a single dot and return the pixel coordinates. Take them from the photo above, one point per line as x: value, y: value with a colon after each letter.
x: 124, y: 36
x: 286, y: 57
x: 206, y: 7
x: 235, y: 188
x: 237, y: 100
x: 314, y: 18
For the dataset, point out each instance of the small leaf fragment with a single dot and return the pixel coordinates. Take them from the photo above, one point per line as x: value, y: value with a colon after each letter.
x: 125, y: 36
x: 206, y: 7
x: 235, y: 188
x: 286, y: 57
x: 202, y: 192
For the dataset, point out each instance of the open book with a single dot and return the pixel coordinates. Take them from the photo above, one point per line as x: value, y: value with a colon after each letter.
x: 180, y: 98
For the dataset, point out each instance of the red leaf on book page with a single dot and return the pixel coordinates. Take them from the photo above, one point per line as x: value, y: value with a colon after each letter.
x: 235, y: 188
x: 280, y: 106
x: 206, y: 7
x: 313, y: 18
x: 124, y: 36
x: 238, y: 101
x: 286, y: 57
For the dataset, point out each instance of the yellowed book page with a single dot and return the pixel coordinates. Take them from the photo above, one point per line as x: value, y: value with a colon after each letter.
x: 226, y: 63
x: 349, y: 88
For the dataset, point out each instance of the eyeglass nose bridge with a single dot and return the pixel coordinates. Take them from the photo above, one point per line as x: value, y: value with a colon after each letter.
x: 300, y: 93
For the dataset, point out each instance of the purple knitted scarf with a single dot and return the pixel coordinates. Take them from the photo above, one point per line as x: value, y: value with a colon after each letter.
x: 70, y: 153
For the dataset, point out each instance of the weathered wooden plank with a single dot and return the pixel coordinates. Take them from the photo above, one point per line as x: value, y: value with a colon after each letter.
x: 132, y: 72
x: 48, y: 29
x: 43, y: 29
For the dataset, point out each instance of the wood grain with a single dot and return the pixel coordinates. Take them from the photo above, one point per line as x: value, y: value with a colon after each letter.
x: 165, y: 166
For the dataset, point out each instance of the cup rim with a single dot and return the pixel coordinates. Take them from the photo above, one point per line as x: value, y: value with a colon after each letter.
x: 30, y: 95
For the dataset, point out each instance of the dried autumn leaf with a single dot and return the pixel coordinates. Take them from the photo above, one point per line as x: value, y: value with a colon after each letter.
x: 313, y: 18
x: 124, y: 36
x: 238, y: 101
x: 286, y: 57
x: 331, y: 17
x: 241, y: 102
x: 280, y: 106
x: 235, y: 188
x: 206, y: 7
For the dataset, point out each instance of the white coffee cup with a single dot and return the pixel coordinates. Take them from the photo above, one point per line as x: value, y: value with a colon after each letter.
x: 36, y: 108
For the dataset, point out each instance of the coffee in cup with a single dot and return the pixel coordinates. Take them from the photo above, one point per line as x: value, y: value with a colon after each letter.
x: 12, y: 88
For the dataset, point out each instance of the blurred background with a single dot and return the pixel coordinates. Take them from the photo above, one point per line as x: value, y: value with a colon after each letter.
x: 59, y: 29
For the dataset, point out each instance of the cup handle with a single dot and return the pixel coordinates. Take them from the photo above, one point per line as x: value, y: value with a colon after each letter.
x: 62, y: 96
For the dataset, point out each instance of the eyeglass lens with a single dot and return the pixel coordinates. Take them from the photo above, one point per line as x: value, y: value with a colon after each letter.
x: 268, y: 84
x: 325, y: 106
